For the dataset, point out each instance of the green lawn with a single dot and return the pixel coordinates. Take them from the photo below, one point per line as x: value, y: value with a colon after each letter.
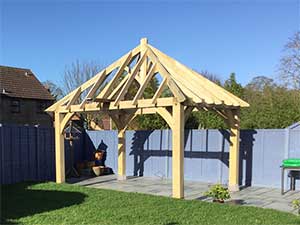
x: 49, y: 203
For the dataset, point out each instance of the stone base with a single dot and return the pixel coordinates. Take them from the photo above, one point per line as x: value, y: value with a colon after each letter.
x: 233, y: 188
x: 122, y: 177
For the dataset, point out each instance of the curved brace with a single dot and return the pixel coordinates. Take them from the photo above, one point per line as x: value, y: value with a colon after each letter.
x: 166, y: 116
x: 122, y: 122
x: 130, y: 120
x: 64, y: 121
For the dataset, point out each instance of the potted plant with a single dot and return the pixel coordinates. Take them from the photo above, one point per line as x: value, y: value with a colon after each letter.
x: 218, y: 193
x: 296, y: 205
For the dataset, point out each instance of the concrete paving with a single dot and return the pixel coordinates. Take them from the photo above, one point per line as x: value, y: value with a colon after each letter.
x: 251, y: 196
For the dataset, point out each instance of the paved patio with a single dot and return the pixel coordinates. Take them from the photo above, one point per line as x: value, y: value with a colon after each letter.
x: 252, y: 196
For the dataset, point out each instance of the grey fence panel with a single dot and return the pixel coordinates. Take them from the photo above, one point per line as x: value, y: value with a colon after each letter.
x: 147, y: 153
x: 33, y: 153
x: 294, y: 144
x: 273, y: 154
x: 41, y: 154
x: 7, y: 158
x: 195, y: 143
x: 24, y: 160
x: 258, y: 159
x: 213, y: 154
x: 108, y: 140
x: 268, y: 153
x: 27, y: 154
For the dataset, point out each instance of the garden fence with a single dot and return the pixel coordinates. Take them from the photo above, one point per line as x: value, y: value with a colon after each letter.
x: 27, y: 153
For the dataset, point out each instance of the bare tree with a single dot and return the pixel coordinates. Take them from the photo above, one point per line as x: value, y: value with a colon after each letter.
x: 290, y: 63
x: 55, y: 90
x: 211, y: 76
x: 75, y: 75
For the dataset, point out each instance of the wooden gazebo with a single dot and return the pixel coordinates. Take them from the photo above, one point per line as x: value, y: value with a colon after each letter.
x: 107, y: 92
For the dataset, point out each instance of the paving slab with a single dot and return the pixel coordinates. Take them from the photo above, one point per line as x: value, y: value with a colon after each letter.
x: 253, y: 196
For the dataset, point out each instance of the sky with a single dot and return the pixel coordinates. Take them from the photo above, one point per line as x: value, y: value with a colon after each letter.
x: 245, y: 37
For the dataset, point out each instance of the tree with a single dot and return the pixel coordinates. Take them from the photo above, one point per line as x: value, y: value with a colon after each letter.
x: 55, y: 90
x: 259, y: 83
x: 152, y: 121
x: 203, y: 119
x: 233, y: 86
x: 290, y: 63
x: 75, y: 75
x: 212, y: 77
x: 271, y: 106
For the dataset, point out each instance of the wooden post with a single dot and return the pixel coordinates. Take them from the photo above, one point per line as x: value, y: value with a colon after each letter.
x: 121, y: 155
x: 143, y: 70
x: 121, y: 121
x: 234, y: 122
x: 59, y: 149
x: 178, y: 151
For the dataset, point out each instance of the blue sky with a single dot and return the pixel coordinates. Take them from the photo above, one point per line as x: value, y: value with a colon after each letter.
x: 245, y: 37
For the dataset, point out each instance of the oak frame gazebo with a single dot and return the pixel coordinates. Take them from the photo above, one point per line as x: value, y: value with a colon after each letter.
x: 190, y: 91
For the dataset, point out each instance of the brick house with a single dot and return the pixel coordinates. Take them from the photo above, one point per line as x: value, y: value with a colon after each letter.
x: 23, y: 98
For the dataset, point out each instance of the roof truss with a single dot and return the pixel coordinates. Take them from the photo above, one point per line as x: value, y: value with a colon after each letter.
x: 140, y: 65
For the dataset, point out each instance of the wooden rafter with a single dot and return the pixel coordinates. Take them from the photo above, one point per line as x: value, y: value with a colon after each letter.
x: 118, y: 88
x: 73, y: 98
x: 90, y: 82
x: 144, y: 85
x: 159, y: 90
x: 218, y: 93
x: 189, y: 86
x: 172, y: 85
x: 130, y: 79
x: 94, y: 88
x: 105, y: 93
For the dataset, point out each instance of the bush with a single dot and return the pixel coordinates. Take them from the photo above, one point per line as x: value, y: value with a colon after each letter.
x: 218, y: 193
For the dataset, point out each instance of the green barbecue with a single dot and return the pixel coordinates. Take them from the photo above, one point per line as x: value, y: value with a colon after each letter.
x: 293, y: 162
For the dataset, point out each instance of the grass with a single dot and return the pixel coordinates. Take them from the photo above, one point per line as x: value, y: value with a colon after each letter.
x: 49, y: 203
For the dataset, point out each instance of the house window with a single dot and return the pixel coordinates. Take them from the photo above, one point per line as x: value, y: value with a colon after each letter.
x: 15, y: 106
x: 40, y: 107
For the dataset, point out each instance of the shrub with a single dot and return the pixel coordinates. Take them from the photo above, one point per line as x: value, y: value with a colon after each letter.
x: 218, y: 193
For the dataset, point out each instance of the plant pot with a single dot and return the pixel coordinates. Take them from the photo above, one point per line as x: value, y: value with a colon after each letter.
x: 218, y: 200
x: 98, y: 170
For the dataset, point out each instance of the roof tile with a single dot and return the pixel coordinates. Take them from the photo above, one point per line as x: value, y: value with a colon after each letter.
x: 22, y: 83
